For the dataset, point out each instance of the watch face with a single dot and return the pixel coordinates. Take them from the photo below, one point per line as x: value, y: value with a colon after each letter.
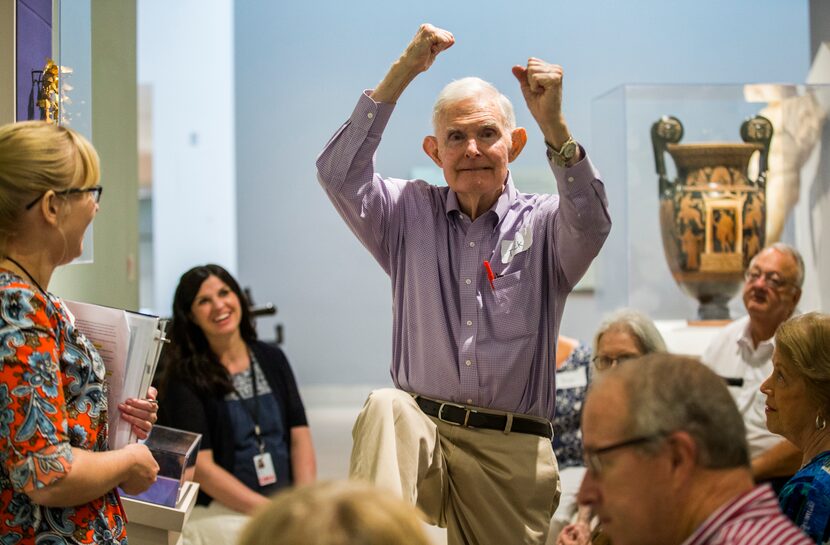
x: 569, y: 150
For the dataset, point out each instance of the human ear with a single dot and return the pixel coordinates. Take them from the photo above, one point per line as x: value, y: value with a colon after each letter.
x: 684, y: 452
x: 796, y: 296
x: 430, y: 146
x: 519, y: 139
x: 49, y: 208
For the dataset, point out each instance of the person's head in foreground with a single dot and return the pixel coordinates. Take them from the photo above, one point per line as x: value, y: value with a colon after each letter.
x: 336, y: 513
x: 664, y: 447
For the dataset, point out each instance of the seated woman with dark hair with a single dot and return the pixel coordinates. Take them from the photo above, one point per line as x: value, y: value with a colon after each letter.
x: 240, y: 394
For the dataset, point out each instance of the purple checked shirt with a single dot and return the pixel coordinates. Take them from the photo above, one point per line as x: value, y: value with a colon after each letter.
x: 455, y: 337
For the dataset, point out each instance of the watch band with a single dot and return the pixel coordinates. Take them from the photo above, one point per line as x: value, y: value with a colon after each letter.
x: 563, y: 156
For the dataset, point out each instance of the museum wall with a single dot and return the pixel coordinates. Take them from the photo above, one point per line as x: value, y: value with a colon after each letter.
x: 813, y: 208
x: 819, y: 24
x: 301, y: 67
x: 7, y: 65
x: 186, y: 66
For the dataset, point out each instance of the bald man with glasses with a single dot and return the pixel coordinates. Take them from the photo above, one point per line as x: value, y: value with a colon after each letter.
x: 742, y: 354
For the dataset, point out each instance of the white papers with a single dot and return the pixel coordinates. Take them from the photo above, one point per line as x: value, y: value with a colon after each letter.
x: 130, y: 344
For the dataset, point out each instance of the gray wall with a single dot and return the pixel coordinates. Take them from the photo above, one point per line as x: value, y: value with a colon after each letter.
x: 301, y: 66
x: 819, y: 24
x: 186, y: 65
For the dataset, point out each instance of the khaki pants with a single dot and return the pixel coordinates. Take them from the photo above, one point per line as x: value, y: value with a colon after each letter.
x: 484, y: 486
x: 214, y: 524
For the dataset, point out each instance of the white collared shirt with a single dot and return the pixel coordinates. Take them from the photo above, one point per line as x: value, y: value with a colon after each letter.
x: 731, y: 354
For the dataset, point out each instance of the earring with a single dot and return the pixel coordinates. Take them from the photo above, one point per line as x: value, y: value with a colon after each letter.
x: 821, y: 423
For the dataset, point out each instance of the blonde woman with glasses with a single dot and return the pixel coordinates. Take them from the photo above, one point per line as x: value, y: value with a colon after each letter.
x: 58, y: 479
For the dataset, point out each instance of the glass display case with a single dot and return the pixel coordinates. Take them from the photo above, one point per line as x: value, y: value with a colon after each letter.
x: 175, y: 452
x: 635, y: 267
x: 53, y: 68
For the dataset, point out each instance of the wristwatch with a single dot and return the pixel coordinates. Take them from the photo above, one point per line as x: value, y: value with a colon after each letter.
x: 563, y: 156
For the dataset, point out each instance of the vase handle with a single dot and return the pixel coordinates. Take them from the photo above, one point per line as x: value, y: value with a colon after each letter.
x: 758, y: 130
x: 666, y: 130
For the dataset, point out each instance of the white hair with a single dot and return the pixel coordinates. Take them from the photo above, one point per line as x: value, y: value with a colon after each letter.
x: 786, y: 249
x: 464, y: 88
x: 640, y: 326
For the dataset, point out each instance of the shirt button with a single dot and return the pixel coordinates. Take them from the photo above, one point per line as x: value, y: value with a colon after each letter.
x: 570, y: 178
x: 469, y: 402
x: 468, y: 363
x: 468, y: 281
x: 469, y: 322
x: 472, y: 244
x: 370, y: 115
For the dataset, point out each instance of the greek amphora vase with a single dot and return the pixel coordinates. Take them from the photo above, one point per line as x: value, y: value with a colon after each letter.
x: 712, y: 216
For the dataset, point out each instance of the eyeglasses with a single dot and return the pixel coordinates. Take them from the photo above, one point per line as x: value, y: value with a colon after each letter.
x: 591, y: 457
x: 604, y: 362
x: 96, y: 191
x: 771, y: 279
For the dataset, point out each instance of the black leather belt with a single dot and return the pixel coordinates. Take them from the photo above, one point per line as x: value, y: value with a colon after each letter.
x: 459, y: 415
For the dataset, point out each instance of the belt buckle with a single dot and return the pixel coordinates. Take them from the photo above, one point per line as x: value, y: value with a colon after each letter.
x: 462, y: 407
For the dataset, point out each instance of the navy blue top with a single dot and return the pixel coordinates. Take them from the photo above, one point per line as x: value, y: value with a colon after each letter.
x: 269, y: 417
x: 184, y: 408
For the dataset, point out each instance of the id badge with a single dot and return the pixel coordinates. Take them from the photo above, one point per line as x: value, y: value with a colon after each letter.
x: 265, y: 469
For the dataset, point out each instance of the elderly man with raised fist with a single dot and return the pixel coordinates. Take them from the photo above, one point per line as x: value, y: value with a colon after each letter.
x: 480, y: 273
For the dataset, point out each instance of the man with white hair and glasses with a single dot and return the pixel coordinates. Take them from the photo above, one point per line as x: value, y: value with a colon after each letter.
x: 480, y: 274
x: 742, y: 354
x: 667, y: 460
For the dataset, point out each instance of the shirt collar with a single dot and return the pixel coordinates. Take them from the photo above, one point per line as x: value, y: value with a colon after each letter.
x: 764, y: 347
x: 500, y: 207
x: 746, y: 338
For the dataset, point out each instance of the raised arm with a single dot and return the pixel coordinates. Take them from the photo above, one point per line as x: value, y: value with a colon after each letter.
x: 346, y: 167
x: 541, y: 85
x: 582, y: 221
x: 418, y: 56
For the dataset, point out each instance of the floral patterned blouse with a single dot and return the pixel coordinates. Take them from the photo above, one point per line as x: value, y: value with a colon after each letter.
x: 572, y: 380
x: 52, y: 398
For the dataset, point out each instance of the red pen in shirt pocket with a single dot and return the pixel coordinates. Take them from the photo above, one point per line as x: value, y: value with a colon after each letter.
x: 490, y: 275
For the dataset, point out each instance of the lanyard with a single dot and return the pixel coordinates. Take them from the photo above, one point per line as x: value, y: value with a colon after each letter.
x: 253, y: 413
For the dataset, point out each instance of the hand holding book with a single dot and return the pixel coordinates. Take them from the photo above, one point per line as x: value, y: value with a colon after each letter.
x: 141, y: 413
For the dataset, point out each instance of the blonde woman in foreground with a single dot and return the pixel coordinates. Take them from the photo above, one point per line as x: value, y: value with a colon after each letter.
x: 336, y: 513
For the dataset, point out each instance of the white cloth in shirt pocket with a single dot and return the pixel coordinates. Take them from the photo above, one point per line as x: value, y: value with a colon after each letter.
x: 511, y: 308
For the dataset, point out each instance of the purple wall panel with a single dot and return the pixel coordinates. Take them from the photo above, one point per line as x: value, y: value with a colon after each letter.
x: 34, y: 46
x: 41, y: 8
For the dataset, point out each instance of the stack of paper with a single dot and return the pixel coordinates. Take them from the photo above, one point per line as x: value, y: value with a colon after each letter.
x: 130, y: 345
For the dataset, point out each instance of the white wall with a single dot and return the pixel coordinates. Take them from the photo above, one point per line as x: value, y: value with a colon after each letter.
x: 301, y: 67
x: 185, y: 52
